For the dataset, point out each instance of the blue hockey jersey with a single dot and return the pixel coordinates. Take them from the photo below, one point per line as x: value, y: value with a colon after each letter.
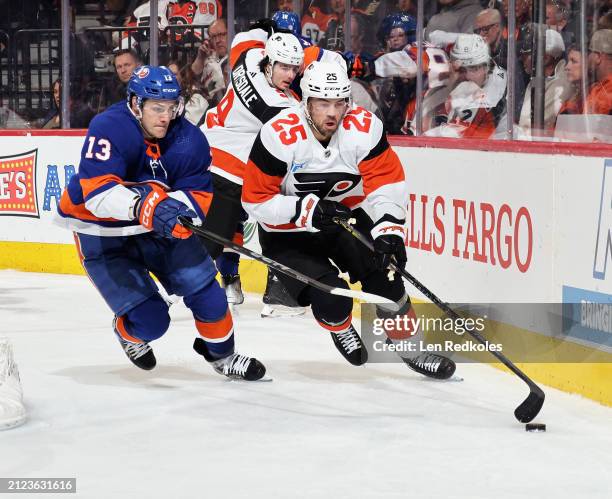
x: 116, y: 155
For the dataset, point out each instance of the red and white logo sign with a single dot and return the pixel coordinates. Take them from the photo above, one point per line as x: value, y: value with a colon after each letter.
x: 497, y: 235
x: 143, y: 73
x: 18, y: 185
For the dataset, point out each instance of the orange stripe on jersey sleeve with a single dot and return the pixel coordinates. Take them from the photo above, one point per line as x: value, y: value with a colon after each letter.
x: 237, y: 51
x: 258, y: 186
x: 226, y: 162
x: 380, y: 170
x: 203, y: 199
x: 216, y: 330
x: 311, y: 54
x: 91, y: 184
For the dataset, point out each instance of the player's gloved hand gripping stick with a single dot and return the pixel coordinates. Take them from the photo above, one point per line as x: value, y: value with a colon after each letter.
x: 350, y: 293
x: 314, y: 214
x: 157, y: 211
x: 531, y: 406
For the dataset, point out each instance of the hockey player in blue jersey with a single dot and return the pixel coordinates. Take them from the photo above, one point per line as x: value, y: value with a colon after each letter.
x: 142, y: 166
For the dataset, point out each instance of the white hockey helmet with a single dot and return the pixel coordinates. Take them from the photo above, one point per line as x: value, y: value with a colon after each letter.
x: 470, y: 50
x: 325, y: 80
x: 284, y: 48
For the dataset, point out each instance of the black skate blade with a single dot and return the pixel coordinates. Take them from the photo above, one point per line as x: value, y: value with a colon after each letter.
x: 453, y: 379
x: 265, y: 379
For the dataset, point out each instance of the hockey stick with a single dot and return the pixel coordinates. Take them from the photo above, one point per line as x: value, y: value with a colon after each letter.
x: 531, y: 406
x: 349, y: 293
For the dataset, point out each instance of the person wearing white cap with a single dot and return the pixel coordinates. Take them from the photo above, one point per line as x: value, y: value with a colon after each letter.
x: 557, y: 88
x: 599, y: 99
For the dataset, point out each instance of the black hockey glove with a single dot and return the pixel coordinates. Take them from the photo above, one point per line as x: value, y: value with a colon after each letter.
x: 268, y: 25
x: 316, y: 214
x: 389, y: 235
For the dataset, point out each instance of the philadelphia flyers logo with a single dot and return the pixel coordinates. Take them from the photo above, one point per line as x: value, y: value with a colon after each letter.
x: 325, y: 185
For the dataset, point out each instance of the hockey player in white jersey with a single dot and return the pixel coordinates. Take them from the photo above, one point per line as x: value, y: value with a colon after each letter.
x: 262, y: 70
x: 323, y: 160
x: 264, y: 62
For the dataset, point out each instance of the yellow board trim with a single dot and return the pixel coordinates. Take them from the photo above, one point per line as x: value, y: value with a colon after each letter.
x: 591, y: 380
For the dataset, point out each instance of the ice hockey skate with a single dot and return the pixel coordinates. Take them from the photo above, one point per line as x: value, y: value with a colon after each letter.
x: 431, y: 365
x: 12, y: 410
x: 351, y: 347
x: 235, y: 365
x: 140, y: 353
x: 277, y: 300
x: 233, y: 289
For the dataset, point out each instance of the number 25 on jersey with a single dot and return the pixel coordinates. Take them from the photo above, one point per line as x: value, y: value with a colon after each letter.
x: 289, y: 135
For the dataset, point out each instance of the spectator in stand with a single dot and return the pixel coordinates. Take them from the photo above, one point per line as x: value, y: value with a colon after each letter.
x: 315, y: 20
x: 80, y: 113
x: 125, y: 62
x: 557, y: 15
x: 573, y: 74
x: 599, y: 99
x: 594, y: 122
x: 372, y: 13
x: 557, y: 88
x: 395, y: 32
x: 488, y: 24
x: 323, y: 21
x: 52, y: 120
x: 195, y: 105
x: 211, y: 64
x: 522, y: 16
x: 285, y: 5
x: 455, y: 16
x: 361, y: 92
x: 406, y: 7
x: 333, y: 37
x: 605, y: 22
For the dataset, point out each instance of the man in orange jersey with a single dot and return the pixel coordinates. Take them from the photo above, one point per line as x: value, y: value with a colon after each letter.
x: 599, y: 98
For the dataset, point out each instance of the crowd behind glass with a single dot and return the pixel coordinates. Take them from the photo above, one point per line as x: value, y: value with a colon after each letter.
x: 560, y: 69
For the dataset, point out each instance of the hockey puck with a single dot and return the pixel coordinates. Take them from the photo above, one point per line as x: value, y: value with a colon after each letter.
x: 535, y: 427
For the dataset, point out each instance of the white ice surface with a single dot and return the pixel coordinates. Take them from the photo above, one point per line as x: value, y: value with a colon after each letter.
x: 322, y: 429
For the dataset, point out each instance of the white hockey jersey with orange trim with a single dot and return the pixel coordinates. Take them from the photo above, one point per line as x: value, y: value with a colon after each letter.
x: 358, y: 168
x: 249, y: 102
